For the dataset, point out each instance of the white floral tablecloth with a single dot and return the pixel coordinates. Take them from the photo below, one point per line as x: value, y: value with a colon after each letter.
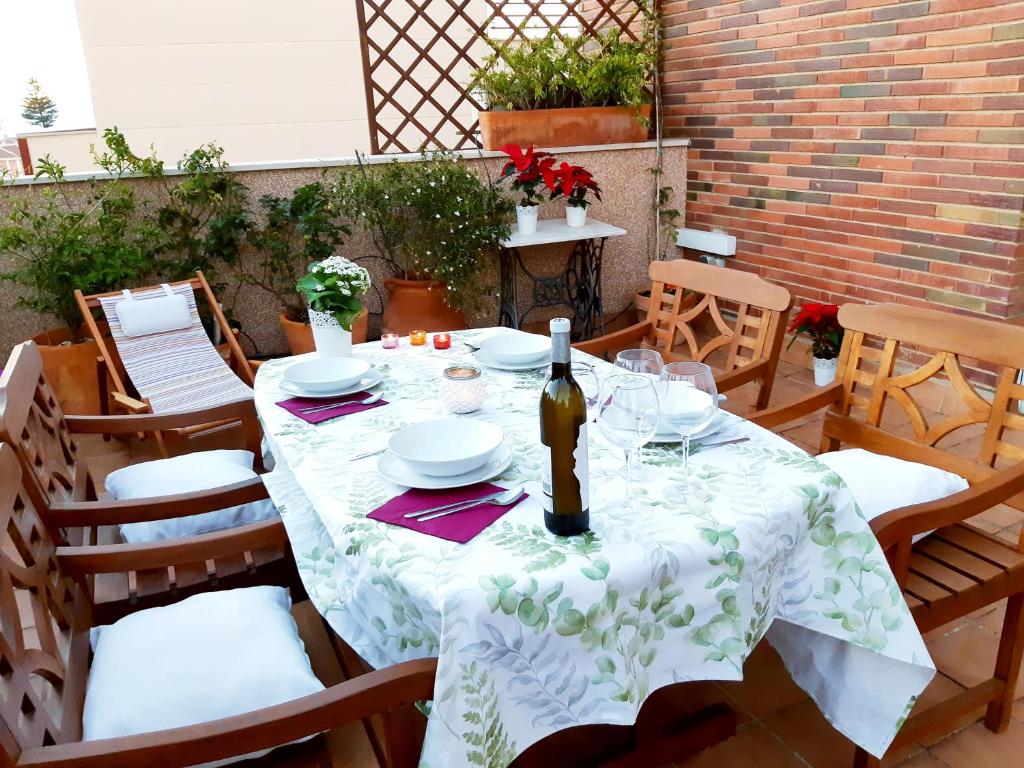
x: 536, y: 633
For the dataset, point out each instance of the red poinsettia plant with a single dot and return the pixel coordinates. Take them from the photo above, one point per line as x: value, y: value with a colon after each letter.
x: 573, y: 182
x: 526, y: 168
x: 819, y: 322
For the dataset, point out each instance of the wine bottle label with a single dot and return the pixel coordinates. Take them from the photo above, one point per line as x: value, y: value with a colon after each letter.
x: 581, y: 470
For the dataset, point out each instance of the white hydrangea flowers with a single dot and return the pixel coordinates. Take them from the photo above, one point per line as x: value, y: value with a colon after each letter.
x: 354, y: 279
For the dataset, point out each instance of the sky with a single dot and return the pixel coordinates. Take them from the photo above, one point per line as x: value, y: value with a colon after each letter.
x: 40, y: 39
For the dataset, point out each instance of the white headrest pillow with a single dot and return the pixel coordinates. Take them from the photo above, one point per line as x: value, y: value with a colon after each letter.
x: 153, y: 314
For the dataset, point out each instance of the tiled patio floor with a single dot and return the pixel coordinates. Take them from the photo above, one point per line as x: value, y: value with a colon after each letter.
x: 779, y: 726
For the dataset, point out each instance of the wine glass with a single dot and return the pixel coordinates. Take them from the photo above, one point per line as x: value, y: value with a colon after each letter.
x: 627, y: 416
x: 645, y: 361
x: 689, y: 403
x: 640, y: 361
x: 584, y: 375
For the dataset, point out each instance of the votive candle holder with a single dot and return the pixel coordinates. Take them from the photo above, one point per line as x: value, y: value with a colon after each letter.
x: 442, y: 341
x: 389, y: 340
x: 462, y: 389
x: 417, y: 338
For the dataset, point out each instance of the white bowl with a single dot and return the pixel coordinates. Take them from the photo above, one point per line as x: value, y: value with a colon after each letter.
x: 325, y: 374
x: 516, y: 348
x: 446, y: 447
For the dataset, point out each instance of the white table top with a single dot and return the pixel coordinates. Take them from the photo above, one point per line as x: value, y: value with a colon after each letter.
x: 535, y: 633
x: 557, y: 231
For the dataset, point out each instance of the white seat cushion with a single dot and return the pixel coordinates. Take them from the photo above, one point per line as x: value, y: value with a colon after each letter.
x: 881, y: 484
x: 210, y: 656
x: 201, y: 471
x: 153, y: 314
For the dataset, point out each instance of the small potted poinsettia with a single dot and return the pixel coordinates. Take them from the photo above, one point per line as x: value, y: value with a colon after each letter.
x: 526, y: 168
x: 820, y: 323
x: 574, y: 183
x: 333, y: 289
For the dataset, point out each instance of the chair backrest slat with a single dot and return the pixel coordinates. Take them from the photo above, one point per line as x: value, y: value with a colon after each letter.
x: 733, y: 310
x: 879, y: 393
x: 31, y: 420
x: 43, y: 661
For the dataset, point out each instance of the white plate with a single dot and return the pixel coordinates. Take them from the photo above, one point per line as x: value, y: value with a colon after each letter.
x: 397, y: 471
x: 673, y: 437
x: 371, y: 379
x: 325, y: 374
x: 486, y: 360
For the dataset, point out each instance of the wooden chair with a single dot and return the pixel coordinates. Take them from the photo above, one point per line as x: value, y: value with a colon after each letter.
x: 47, y: 611
x: 62, y: 488
x: 960, y: 568
x: 687, y: 301
x: 171, y: 370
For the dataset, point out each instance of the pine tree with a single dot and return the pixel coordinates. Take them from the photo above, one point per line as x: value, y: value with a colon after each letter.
x: 38, y: 108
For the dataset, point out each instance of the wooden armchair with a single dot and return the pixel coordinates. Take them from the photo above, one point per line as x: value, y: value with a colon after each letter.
x: 63, y: 490
x: 959, y: 568
x: 171, y: 370
x: 687, y: 301
x: 46, y: 608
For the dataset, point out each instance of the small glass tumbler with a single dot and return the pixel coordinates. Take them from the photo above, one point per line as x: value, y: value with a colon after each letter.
x: 442, y: 341
x: 389, y: 340
x: 462, y: 389
x: 417, y: 338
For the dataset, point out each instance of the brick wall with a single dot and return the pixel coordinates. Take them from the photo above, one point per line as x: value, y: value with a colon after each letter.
x: 866, y: 150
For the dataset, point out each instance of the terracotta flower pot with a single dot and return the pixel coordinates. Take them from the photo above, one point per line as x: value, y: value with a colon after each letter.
x: 564, y: 127
x: 418, y: 305
x: 72, y: 371
x: 300, y: 335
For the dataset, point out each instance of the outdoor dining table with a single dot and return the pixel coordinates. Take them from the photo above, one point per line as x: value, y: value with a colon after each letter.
x: 535, y: 633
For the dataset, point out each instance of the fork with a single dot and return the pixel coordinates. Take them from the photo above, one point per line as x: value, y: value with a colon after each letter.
x: 317, y: 408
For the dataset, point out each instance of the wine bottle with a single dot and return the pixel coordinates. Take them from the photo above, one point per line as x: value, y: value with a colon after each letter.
x: 563, y: 431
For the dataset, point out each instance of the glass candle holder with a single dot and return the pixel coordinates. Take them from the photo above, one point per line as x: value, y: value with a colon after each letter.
x: 417, y: 338
x: 442, y: 341
x: 389, y: 340
x: 462, y: 389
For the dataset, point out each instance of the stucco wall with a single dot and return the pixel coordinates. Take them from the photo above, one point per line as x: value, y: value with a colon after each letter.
x: 628, y: 194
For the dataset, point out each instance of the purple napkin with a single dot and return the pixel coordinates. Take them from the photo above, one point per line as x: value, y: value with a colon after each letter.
x: 460, y: 527
x: 344, y: 406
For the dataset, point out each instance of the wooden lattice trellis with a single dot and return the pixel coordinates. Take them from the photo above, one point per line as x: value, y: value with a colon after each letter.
x: 419, y: 55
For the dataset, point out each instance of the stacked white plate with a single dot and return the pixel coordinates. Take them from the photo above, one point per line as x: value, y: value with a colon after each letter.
x: 445, y: 453
x: 322, y: 377
x: 666, y: 434
x: 514, y: 351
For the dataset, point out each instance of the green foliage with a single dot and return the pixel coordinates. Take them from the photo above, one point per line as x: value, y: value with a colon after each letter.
x: 102, y: 236
x: 555, y: 71
x: 38, y: 108
x: 296, y: 231
x: 666, y: 217
x: 432, y: 219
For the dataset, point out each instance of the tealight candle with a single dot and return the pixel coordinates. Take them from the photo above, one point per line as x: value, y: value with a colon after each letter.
x: 442, y: 341
x: 462, y: 389
x: 417, y: 338
x: 389, y: 340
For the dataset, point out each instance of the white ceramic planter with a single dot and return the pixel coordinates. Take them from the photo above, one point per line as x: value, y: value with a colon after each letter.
x: 825, y: 370
x: 330, y: 338
x: 526, y: 218
x: 575, y: 216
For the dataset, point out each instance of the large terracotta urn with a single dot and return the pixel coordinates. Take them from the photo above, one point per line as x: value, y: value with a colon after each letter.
x: 418, y: 305
x: 300, y: 335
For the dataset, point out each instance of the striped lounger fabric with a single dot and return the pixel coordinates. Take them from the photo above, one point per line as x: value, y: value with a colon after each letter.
x: 177, y: 370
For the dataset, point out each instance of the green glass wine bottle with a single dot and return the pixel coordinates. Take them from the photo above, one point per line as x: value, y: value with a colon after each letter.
x: 563, y: 432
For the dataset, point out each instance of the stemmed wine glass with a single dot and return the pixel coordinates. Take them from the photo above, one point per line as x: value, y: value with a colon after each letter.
x: 585, y: 376
x: 689, y: 403
x: 644, y: 361
x: 628, y: 416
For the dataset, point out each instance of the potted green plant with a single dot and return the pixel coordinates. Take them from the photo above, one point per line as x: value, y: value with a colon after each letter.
x: 556, y: 91
x: 295, y: 231
x: 433, y: 223
x: 333, y: 290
